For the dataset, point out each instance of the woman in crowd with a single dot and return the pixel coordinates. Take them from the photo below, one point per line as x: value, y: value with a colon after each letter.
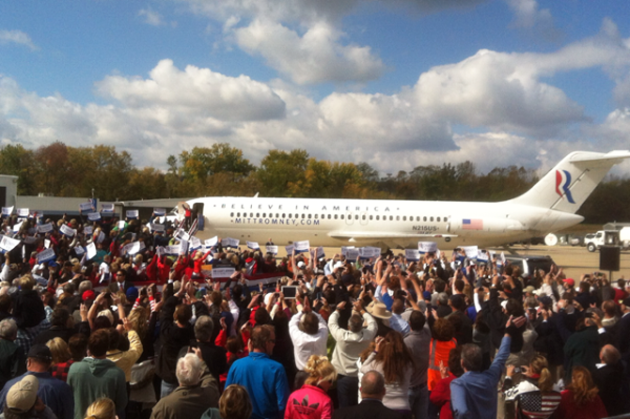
x: 233, y: 404
x: 580, y: 399
x: 62, y: 358
x: 311, y: 401
x: 101, y: 409
x: 393, y: 359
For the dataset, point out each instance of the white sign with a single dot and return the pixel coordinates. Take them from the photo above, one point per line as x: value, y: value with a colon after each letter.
x: 22, y: 212
x: 230, y: 242
x: 70, y: 232
x: 271, y: 249
x: 6, y: 211
x: 412, y: 254
x: 183, y: 247
x: 253, y: 245
x: 503, y: 257
x: 482, y: 256
x: 79, y: 250
x: 8, y: 243
x: 352, y: 254
x: 45, y: 255
x: 302, y: 246
x: 181, y: 235
x: 44, y: 228
x: 211, y: 242
x: 156, y: 227
x: 369, y: 252
x: 17, y: 227
x: 427, y: 247
x: 46, y: 243
x: 30, y: 239
x: 135, y: 247
x: 121, y: 225
x: 222, y: 272
x: 101, y: 237
x: 195, y: 243
x: 320, y: 252
x: 107, y: 208
x: 159, y: 211
x: 86, y: 206
x: 91, y: 251
x: 289, y: 249
x: 172, y: 250
x: 87, y: 230
x: 159, y: 251
x: 344, y: 249
x: 133, y: 213
x: 471, y: 251
x: 94, y: 216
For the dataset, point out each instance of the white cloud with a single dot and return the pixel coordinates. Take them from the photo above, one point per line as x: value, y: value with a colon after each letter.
x: 199, y: 91
x: 16, y: 37
x: 151, y: 17
x: 315, y: 57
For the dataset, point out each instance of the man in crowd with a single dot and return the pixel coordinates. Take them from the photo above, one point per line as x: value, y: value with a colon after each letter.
x: 371, y: 406
x: 309, y: 334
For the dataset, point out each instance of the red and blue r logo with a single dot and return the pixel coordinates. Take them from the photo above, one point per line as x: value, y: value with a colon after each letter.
x: 563, y: 181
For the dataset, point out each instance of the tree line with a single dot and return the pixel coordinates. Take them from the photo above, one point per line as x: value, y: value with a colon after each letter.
x: 222, y: 170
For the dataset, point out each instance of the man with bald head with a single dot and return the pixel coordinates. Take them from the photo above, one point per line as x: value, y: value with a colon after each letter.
x: 609, y: 378
x: 371, y: 406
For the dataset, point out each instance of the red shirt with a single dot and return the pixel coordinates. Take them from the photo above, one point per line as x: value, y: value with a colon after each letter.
x: 569, y: 409
x: 441, y: 396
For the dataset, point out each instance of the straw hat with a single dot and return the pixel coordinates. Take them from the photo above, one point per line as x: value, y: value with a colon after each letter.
x: 378, y: 309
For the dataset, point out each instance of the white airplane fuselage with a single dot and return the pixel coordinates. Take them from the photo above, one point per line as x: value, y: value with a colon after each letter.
x: 385, y: 223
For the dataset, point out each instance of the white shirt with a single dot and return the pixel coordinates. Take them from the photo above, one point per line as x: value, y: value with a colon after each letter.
x: 305, y: 345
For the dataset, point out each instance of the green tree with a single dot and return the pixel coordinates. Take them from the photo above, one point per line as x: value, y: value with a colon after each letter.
x: 281, y: 173
x: 17, y: 161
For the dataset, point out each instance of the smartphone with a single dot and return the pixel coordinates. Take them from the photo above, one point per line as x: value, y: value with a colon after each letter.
x: 289, y: 291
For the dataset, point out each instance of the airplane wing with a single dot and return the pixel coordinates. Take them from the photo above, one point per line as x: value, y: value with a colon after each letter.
x: 371, y: 235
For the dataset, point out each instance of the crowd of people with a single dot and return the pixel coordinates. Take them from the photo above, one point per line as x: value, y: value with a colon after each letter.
x: 98, y: 320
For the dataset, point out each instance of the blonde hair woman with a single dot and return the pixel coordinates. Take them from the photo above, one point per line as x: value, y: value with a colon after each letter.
x: 101, y: 409
x: 61, y: 358
x: 312, y: 401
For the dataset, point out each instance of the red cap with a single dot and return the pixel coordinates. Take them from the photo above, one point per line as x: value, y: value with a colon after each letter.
x: 569, y: 281
x: 89, y: 295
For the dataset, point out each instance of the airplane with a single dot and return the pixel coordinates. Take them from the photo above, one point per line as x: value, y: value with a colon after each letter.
x: 549, y: 206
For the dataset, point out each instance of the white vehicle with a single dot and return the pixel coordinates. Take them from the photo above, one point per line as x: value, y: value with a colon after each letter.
x: 594, y: 241
x: 548, y: 206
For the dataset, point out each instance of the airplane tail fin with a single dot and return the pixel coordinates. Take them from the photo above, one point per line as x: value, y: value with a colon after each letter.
x: 566, y: 186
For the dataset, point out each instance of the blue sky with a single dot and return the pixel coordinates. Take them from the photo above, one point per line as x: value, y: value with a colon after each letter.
x: 396, y: 84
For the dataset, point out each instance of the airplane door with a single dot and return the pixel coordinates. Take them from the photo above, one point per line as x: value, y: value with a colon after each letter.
x: 448, y: 224
x: 349, y: 218
x: 198, y: 210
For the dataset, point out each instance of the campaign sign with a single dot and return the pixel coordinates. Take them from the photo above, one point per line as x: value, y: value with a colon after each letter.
x: 7, y: 211
x: 301, y: 246
x: 86, y: 206
x: 183, y: 247
x: 107, y: 208
x: 133, y: 213
x: 289, y: 249
x: 369, y: 252
x: 412, y: 254
x: 70, y: 232
x: 195, y: 243
x: 483, y: 256
x: 30, y: 239
x: 101, y: 237
x: 471, y: 251
x: 230, y: 242
x: 253, y: 245
x: 181, y: 235
x: 271, y: 249
x: 79, y: 250
x: 135, y: 247
x: 352, y: 254
x: 427, y: 247
x: 87, y: 230
x: 160, y: 250
x: 91, y: 251
x: 344, y: 250
x: 45, y: 255
x: 172, y: 250
x: 46, y: 243
x: 22, y: 212
x: 159, y: 211
x: 17, y: 227
x: 8, y: 243
x: 320, y: 252
x: 121, y: 225
x: 94, y: 216
x: 212, y: 241
x: 156, y: 227
x: 222, y: 272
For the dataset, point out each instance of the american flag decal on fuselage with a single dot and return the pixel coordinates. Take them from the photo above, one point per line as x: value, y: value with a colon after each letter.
x: 472, y: 224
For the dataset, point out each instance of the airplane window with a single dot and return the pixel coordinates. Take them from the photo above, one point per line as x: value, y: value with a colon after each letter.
x: 418, y: 218
x: 329, y: 216
x: 238, y: 214
x: 431, y: 218
x: 277, y: 215
x: 284, y: 215
x: 297, y: 215
x: 316, y: 215
x: 370, y: 218
x: 342, y: 216
x: 391, y: 218
x: 303, y: 215
x: 289, y: 215
x: 251, y: 214
x: 335, y: 216
x: 398, y: 218
x: 356, y: 217
x: 231, y: 214
x: 404, y: 218
x: 438, y: 219
x: 363, y: 217
x: 445, y: 219
x: 309, y: 216
x: 424, y: 218
x: 377, y: 217
x: 264, y: 215
x: 257, y: 214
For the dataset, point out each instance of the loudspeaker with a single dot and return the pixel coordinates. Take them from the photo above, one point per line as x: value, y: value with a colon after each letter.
x: 609, y: 258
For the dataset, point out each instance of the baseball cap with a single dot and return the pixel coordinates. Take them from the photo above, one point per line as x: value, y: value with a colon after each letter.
x: 40, y: 351
x: 301, y: 264
x: 88, y: 295
x: 529, y: 289
x: 23, y: 394
x: 569, y: 281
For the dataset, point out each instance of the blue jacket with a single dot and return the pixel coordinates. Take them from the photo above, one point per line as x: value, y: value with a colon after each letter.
x: 474, y: 394
x: 266, y: 383
x: 54, y: 393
